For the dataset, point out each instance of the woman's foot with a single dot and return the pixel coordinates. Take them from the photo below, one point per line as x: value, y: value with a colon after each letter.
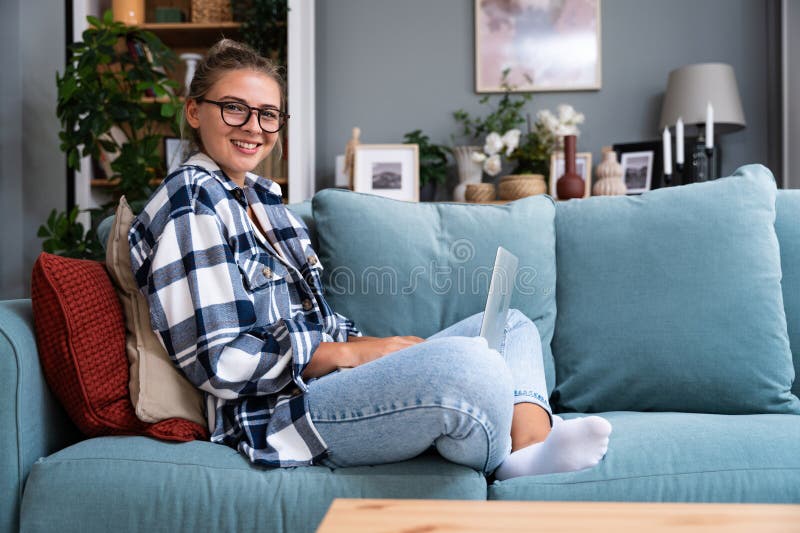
x: 571, y: 445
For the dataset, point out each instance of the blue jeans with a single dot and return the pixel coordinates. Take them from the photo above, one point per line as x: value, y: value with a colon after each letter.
x: 450, y: 391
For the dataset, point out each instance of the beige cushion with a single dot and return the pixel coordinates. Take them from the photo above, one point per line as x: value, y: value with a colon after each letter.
x: 158, y: 389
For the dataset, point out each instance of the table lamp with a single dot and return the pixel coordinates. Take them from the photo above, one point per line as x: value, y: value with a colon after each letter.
x: 706, y: 97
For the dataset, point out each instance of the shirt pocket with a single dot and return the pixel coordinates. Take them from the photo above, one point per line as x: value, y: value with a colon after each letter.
x: 261, y: 271
x: 266, y: 281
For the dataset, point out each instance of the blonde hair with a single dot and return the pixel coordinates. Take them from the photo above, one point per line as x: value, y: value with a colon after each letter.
x: 225, y: 56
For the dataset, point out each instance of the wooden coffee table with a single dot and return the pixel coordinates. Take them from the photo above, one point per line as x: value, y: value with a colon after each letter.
x: 430, y: 516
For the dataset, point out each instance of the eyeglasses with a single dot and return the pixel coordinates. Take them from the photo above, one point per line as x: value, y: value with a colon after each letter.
x: 237, y: 114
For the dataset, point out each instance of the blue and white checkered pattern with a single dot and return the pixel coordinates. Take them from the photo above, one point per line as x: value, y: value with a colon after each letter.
x: 239, y: 312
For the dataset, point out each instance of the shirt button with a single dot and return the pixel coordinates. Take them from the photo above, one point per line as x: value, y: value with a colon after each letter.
x: 307, y: 305
x: 267, y: 272
x: 312, y: 260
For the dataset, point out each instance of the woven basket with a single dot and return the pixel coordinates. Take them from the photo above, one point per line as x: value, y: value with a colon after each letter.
x: 516, y: 186
x: 480, y: 192
x: 211, y: 11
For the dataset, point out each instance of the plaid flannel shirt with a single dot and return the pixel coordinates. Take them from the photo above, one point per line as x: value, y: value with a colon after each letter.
x: 240, y: 315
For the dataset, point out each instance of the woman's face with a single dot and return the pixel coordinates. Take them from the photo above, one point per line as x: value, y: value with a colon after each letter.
x: 236, y: 149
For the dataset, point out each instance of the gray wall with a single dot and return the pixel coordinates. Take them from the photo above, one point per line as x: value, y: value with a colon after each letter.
x: 392, y: 66
x: 11, y: 260
x: 33, y: 177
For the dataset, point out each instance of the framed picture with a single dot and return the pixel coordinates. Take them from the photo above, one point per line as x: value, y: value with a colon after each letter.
x: 547, y: 45
x: 175, y: 150
x: 642, y: 165
x: 390, y: 170
x: 583, y: 166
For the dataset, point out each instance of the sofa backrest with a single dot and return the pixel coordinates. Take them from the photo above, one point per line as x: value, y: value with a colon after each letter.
x: 787, y: 226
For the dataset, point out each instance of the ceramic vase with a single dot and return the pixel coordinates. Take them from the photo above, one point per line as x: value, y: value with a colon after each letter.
x: 468, y: 170
x: 191, y: 61
x: 609, y: 176
x: 570, y: 185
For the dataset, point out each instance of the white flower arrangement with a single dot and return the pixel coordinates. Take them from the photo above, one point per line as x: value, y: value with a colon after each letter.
x: 491, y: 157
x: 566, y: 123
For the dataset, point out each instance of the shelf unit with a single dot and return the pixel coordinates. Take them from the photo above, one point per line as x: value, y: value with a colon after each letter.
x: 198, y: 37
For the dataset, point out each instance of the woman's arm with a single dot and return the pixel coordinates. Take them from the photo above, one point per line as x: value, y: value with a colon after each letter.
x: 359, y: 350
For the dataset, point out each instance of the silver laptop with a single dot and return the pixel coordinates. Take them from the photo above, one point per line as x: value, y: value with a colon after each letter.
x: 500, y: 289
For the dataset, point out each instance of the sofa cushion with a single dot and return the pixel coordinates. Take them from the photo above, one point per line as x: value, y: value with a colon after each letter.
x: 671, y: 301
x: 401, y: 268
x: 680, y: 457
x: 787, y: 226
x: 158, y: 389
x: 139, y: 484
x: 81, y: 340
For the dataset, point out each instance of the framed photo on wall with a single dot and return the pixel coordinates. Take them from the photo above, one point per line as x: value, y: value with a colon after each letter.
x: 547, y: 45
x: 583, y: 166
x: 642, y: 165
x: 389, y: 170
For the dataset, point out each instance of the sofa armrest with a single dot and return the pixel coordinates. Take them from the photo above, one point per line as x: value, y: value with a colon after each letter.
x: 34, y: 424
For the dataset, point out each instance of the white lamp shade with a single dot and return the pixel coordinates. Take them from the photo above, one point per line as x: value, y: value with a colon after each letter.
x: 690, y: 88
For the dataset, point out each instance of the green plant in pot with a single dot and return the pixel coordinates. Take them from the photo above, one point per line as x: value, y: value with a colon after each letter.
x: 107, y: 111
x: 506, y: 114
x: 432, y: 164
x: 264, y: 26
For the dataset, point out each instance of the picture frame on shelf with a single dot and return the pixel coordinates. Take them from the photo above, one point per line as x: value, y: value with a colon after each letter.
x: 175, y: 150
x: 536, y: 36
x: 637, y: 171
x: 583, y: 166
x: 388, y: 170
x: 648, y: 157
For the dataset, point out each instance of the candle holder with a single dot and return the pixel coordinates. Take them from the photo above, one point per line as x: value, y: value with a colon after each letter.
x: 712, y: 163
x: 679, y: 174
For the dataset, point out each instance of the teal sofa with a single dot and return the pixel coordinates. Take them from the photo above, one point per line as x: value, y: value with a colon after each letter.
x: 675, y: 315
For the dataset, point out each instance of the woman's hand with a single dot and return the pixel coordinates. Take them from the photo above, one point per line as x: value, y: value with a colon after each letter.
x: 366, y: 349
x: 355, y: 352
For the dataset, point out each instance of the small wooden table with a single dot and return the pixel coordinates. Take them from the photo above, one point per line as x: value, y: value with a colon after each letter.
x: 431, y: 516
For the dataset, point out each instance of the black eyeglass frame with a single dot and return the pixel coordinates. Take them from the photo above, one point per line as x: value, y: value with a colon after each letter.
x: 282, y: 117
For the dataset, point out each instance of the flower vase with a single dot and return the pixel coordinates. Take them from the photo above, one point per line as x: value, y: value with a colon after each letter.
x: 609, y: 174
x: 570, y: 185
x: 468, y: 170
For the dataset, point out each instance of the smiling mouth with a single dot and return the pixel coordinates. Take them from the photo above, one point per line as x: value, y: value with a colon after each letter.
x: 246, y: 145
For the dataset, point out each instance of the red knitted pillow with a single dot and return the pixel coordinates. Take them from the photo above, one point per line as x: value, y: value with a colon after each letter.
x: 80, y: 333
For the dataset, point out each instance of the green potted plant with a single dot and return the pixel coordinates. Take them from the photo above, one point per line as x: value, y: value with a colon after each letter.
x: 502, y: 122
x: 115, y: 101
x: 506, y: 114
x: 432, y: 164
x: 264, y: 26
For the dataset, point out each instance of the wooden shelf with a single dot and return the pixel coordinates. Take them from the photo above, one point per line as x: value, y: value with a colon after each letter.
x: 192, y: 36
x: 112, y: 183
x: 107, y: 184
x: 158, y: 100
x: 189, y: 26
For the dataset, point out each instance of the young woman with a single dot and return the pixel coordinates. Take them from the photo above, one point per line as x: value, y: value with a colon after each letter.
x: 236, y: 298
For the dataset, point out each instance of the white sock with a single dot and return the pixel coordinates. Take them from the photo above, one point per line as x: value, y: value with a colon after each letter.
x: 571, y: 445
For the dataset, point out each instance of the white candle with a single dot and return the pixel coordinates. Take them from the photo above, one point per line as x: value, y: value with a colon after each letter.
x: 709, y: 126
x: 679, y: 141
x: 667, y: 138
